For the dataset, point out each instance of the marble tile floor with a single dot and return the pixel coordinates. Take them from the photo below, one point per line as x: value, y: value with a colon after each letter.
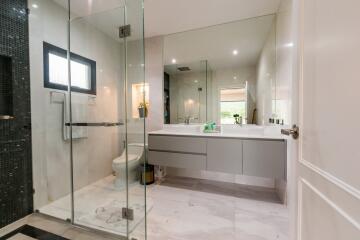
x: 57, y: 227
x: 187, y: 209
x: 99, y: 206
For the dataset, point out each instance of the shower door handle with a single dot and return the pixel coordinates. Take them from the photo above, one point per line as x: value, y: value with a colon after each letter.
x: 100, y: 124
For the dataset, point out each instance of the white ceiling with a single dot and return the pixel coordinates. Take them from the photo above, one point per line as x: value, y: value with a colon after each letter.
x: 107, y: 15
x: 164, y: 17
x: 217, y: 43
x: 88, y: 7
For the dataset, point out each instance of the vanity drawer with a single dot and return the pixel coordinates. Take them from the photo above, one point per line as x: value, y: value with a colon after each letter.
x: 177, y: 144
x: 178, y: 160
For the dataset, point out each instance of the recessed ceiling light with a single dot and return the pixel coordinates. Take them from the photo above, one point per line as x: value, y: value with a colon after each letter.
x: 235, y: 77
x: 35, y: 6
x: 173, y: 60
x: 235, y: 52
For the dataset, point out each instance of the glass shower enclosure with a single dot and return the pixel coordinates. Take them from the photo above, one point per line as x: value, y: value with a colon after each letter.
x: 89, y: 105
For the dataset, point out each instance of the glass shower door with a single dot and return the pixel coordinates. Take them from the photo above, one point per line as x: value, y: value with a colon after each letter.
x: 107, y: 131
x: 137, y: 110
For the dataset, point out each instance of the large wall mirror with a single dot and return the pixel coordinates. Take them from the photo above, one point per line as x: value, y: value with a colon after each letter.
x: 222, y: 71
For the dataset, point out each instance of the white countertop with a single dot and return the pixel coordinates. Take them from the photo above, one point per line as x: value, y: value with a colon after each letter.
x: 231, y: 131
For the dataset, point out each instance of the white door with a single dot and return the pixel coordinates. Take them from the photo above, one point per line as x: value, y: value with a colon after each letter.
x: 329, y: 106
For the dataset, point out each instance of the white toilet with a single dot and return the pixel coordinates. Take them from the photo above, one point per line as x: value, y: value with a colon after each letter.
x: 135, y: 157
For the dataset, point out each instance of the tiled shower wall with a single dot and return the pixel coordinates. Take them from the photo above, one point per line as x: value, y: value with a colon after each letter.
x: 15, y: 135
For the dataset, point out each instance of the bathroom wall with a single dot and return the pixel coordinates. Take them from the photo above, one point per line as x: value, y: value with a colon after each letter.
x: 284, y: 82
x: 15, y: 135
x: 266, y: 79
x: 154, y: 70
x: 284, y: 48
x: 93, y: 155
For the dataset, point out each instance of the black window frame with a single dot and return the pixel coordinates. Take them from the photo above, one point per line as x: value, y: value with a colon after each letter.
x: 49, y: 48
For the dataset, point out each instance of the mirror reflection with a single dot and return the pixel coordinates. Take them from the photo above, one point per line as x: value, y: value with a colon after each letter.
x: 224, y: 73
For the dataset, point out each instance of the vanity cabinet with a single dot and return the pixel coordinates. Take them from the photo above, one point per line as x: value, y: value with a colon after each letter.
x: 177, y: 144
x: 178, y: 152
x: 252, y: 157
x: 264, y: 158
x: 224, y: 155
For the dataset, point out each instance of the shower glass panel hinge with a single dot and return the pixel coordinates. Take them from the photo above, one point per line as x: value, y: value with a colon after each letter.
x: 124, y: 31
x: 128, y: 214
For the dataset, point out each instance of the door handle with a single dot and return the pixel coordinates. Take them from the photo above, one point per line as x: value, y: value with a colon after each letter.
x: 294, y: 132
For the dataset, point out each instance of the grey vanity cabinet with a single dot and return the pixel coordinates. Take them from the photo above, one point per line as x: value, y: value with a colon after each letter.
x: 177, y: 151
x: 264, y: 158
x: 252, y: 157
x: 224, y: 155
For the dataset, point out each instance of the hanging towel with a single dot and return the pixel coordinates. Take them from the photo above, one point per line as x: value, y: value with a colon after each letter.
x: 79, y: 108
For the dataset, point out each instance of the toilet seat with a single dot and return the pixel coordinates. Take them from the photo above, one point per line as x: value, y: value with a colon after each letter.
x: 122, y: 158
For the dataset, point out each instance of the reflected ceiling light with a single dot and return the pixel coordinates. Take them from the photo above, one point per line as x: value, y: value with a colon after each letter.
x: 196, y: 81
x: 235, y: 77
x: 235, y: 52
x: 35, y: 6
x: 173, y: 60
x: 289, y: 44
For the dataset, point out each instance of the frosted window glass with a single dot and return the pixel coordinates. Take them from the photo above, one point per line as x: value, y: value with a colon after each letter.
x: 58, y: 69
x: 80, y: 73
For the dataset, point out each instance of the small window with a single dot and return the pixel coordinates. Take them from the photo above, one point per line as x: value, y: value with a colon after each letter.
x: 232, y: 101
x: 83, y: 71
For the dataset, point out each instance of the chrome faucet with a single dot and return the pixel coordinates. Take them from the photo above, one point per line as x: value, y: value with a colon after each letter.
x: 187, y: 120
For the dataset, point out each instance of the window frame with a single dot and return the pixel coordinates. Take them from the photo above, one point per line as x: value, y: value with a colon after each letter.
x: 49, y: 48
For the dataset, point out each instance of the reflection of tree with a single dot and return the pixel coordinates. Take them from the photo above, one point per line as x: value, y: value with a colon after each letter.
x: 228, y: 109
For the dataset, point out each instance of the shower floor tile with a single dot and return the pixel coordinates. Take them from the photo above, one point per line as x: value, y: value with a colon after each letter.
x: 100, y: 204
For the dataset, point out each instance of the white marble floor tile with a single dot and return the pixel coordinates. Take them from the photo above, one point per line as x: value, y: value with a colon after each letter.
x: 21, y: 237
x: 102, y: 195
x: 186, y: 210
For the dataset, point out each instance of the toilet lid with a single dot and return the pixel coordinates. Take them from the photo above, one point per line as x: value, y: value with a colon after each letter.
x: 122, y: 158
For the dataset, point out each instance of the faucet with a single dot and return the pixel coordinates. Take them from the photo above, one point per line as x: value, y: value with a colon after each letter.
x: 187, y: 120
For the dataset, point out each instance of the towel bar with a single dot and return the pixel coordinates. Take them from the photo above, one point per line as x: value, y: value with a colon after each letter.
x: 100, y: 124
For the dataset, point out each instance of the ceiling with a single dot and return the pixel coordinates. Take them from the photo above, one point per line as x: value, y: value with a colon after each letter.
x: 217, y: 43
x: 107, y: 15
x: 164, y: 17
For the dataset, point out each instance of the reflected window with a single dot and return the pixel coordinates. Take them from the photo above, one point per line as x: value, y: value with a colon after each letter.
x: 232, y: 101
x: 83, y: 71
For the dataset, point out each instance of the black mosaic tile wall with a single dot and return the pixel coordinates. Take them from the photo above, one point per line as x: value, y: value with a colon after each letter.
x: 15, y: 134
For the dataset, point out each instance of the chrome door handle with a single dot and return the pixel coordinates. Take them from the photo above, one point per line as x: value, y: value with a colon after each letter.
x: 294, y: 132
